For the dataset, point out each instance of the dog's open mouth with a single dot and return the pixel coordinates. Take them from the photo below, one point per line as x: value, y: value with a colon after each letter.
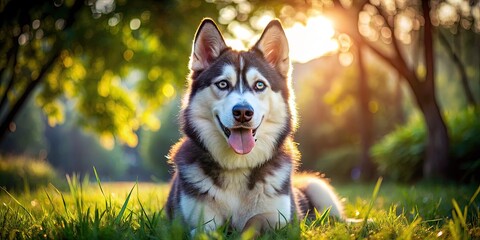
x: 241, y: 139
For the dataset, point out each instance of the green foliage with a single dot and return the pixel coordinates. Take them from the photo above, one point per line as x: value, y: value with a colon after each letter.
x: 25, y: 174
x: 134, y: 211
x: 66, y: 147
x: 400, y: 153
x: 464, y: 130
x: 339, y: 162
x: 155, y: 146
x: 116, y: 62
x: 329, y: 132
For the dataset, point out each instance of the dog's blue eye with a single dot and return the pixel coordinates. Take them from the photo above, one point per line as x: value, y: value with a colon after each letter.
x: 259, y: 86
x: 222, y: 85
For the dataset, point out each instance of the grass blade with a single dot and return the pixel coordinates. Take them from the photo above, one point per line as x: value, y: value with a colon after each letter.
x: 63, y: 200
x: 370, y: 206
x: 474, y: 196
x: 19, y: 204
x: 50, y: 200
x: 324, y: 217
x: 409, y: 232
x: 374, y: 197
x: 107, y: 207
x: 98, y: 181
x: 150, y: 223
x: 459, y: 213
x: 122, y: 211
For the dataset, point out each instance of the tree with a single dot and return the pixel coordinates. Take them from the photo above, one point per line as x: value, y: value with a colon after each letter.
x: 327, y: 96
x: 366, y: 119
x: 401, y: 33
x: 436, y: 161
x: 384, y: 17
x: 116, y: 61
x: 15, y: 29
x: 29, y: 135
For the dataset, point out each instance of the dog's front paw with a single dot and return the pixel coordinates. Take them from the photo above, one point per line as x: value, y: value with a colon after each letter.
x: 262, y: 222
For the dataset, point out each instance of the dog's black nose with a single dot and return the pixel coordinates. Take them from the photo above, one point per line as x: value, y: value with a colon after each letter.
x: 242, y: 112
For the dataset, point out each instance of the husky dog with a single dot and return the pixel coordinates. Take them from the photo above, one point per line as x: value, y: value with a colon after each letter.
x: 236, y: 162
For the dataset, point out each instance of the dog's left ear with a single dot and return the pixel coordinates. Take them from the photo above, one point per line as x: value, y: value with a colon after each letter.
x: 207, y: 46
x: 274, y: 46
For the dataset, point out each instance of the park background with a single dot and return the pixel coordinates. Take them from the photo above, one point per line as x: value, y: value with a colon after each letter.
x: 381, y: 90
x: 388, y: 95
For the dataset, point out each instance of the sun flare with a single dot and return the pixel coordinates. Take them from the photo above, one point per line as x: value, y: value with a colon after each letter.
x: 312, y: 40
x: 306, y: 41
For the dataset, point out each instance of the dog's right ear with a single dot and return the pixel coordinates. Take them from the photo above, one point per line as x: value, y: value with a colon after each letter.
x: 274, y: 45
x: 207, y: 45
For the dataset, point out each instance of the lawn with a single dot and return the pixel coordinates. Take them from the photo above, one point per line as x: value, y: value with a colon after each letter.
x: 127, y: 210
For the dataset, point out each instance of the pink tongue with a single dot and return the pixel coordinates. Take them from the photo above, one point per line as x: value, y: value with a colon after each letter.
x: 241, y: 140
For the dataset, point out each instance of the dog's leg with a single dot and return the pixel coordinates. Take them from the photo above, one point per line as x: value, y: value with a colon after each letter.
x: 264, y: 221
x: 206, y: 222
x: 198, y: 214
x: 208, y: 226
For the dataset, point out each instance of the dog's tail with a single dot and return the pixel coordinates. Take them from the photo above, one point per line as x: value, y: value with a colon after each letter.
x: 315, y: 192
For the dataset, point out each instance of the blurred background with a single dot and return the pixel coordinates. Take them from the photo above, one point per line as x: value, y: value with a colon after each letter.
x: 384, y: 87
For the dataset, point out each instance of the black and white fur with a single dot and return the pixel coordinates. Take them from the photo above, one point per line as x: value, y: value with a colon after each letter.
x: 236, y: 160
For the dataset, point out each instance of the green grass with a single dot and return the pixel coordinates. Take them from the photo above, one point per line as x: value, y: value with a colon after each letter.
x: 21, y: 173
x: 134, y: 211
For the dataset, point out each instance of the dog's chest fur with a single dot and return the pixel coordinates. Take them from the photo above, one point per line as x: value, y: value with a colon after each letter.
x: 231, y: 195
x: 236, y: 201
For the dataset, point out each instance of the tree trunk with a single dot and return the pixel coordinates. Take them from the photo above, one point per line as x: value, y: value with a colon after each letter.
x: 436, y: 159
x: 398, y: 99
x: 460, y: 67
x: 10, y: 113
x: 365, y: 119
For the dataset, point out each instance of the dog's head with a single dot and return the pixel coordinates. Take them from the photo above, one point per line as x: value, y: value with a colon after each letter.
x: 239, y: 105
